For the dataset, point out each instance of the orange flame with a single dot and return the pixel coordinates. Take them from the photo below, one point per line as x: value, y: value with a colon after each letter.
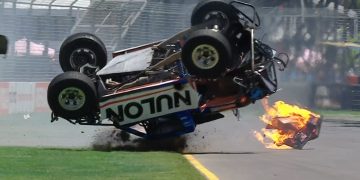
x: 283, y: 121
x: 261, y: 137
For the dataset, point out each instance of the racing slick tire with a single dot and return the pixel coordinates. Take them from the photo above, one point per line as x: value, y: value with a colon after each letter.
x: 3, y: 44
x: 206, y: 54
x: 209, y: 9
x: 81, y: 49
x: 72, y: 95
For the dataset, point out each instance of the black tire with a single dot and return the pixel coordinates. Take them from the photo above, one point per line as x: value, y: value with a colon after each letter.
x: 214, y: 46
x: 3, y: 44
x: 202, y: 10
x: 69, y: 81
x: 91, y: 50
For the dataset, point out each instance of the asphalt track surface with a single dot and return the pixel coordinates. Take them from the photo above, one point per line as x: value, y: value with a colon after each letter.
x: 226, y: 147
x: 237, y: 155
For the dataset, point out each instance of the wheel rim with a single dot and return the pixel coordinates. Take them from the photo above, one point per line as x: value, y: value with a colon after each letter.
x: 222, y: 20
x: 72, y: 99
x: 205, y: 56
x: 81, y: 57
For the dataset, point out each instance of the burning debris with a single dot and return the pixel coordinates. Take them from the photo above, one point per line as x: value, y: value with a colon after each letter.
x: 288, y: 126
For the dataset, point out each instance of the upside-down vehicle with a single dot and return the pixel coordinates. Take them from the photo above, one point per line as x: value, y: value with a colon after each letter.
x: 168, y: 87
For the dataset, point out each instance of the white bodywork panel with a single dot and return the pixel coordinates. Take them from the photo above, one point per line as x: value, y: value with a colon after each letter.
x: 150, y: 103
x: 134, y: 61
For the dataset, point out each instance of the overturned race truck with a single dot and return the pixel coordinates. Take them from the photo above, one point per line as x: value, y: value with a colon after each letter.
x: 167, y: 88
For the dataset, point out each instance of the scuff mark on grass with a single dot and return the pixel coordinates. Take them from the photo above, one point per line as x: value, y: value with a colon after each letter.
x: 117, y: 140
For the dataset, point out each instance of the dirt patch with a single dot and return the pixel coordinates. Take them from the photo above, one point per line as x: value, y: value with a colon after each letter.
x: 117, y: 140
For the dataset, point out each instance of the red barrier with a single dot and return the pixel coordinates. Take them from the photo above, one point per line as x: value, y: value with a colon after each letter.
x: 23, y: 97
x: 41, y: 104
x: 4, y: 98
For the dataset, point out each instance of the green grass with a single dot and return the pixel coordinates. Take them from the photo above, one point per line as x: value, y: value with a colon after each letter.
x: 34, y: 163
x: 326, y: 112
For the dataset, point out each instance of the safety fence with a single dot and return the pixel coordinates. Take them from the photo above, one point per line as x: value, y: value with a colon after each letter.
x: 37, y: 28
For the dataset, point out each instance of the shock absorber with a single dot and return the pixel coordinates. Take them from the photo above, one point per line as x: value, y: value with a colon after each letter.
x: 181, y: 69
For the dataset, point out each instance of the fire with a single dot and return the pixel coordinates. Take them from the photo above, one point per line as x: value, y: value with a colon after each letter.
x: 270, y: 145
x: 287, y: 126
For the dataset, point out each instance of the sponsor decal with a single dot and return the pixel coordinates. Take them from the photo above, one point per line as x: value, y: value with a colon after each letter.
x: 149, y: 104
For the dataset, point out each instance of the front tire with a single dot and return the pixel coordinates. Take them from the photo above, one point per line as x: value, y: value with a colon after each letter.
x: 72, y: 95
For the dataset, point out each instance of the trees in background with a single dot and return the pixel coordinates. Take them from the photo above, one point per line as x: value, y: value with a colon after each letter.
x: 303, y: 26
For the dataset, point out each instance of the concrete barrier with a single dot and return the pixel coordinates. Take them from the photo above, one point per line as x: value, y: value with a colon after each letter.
x: 23, y: 97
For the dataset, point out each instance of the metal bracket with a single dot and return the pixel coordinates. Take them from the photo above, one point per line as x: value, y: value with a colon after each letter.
x: 236, y: 113
x: 54, y: 117
x: 87, y: 65
x: 238, y: 81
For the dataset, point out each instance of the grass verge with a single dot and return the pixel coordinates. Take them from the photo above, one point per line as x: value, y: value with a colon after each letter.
x: 35, y: 163
x: 339, y: 112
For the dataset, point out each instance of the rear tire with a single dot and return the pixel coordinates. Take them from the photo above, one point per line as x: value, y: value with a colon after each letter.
x: 210, y: 9
x: 80, y: 49
x: 72, y: 95
x: 206, y: 54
